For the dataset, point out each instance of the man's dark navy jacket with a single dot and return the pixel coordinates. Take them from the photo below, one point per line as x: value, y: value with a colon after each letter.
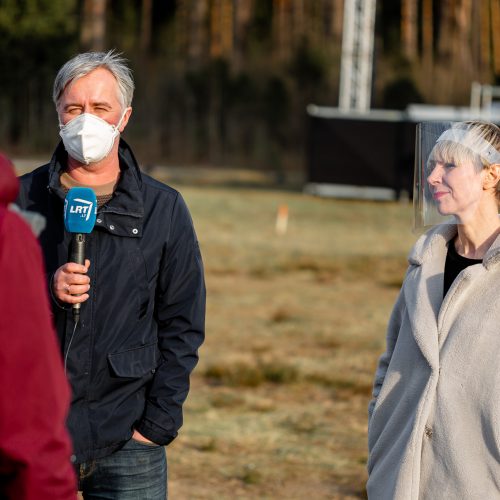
x: 139, y: 332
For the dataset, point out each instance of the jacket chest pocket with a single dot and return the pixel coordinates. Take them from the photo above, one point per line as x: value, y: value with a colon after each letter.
x: 134, y: 363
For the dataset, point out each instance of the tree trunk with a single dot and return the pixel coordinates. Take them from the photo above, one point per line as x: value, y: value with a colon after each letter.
x: 281, y: 23
x: 221, y: 28
x: 242, y: 16
x: 485, y: 30
x: 227, y: 26
x: 182, y: 29
x: 198, y: 36
x: 454, y: 69
x: 337, y: 19
x: 495, y: 29
x: 93, y: 32
x: 476, y: 39
x: 463, y: 47
x: 409, y: 18
x: 146, y: 21
x: 215, y: 29
x: 298, y: 21
x: 427, y: 35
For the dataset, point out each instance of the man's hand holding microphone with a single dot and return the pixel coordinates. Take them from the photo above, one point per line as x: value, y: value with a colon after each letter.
x: 71, y: 282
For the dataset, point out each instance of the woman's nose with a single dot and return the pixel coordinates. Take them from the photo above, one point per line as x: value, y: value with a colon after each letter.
x: 434, y: 176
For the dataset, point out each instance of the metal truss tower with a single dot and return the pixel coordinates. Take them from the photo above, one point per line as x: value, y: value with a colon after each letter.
x: 357, y: 55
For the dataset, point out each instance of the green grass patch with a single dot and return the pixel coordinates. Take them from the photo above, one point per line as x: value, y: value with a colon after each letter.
x: 241, y: 374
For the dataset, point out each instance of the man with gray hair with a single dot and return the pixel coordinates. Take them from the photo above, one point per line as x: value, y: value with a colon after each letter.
x: 141, y: 290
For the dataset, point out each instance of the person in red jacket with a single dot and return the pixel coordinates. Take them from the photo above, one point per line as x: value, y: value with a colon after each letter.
x: 35, y: 449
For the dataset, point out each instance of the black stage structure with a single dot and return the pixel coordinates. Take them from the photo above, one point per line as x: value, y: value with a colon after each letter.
x: 367, y: 155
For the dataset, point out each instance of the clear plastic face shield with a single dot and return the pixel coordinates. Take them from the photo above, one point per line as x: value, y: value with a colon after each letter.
x: 449, y: 159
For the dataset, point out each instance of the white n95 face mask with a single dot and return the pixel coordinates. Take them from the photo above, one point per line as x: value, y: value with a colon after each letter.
x: 88, y: 138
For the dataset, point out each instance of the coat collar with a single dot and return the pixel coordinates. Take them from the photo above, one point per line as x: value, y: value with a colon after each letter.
x: 123, y: 214
x: 435, y: 242
x: 432, y: 242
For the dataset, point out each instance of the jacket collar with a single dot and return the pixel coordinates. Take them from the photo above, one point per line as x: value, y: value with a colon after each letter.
x: 123, y: 214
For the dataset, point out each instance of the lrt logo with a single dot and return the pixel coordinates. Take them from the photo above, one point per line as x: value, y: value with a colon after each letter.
x: 83, y: 210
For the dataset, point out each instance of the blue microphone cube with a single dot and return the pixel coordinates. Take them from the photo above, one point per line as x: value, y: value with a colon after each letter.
x: 80, y: 210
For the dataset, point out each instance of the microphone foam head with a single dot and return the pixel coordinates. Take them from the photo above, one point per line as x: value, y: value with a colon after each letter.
x: 80, y: 209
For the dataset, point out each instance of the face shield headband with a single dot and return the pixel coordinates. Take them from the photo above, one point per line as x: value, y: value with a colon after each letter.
x: 469, y: 140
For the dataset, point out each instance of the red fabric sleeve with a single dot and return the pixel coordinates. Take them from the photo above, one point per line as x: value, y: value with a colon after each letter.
x: 9, y: 185
x: 35, y: 448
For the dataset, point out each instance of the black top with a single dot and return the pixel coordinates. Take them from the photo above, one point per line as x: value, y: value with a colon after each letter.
x: 454, y: 265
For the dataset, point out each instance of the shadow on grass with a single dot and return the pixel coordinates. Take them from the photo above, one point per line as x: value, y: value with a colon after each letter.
x: 245, y: 374
x: 388, y: 271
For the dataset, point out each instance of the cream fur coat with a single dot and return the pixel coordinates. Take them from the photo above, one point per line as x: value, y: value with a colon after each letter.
x: 434, y: 420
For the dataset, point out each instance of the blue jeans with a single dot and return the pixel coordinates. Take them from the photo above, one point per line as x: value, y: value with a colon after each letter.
x: 138, y: 471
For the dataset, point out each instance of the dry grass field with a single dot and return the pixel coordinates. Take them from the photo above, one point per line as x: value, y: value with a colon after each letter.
x: 295, y: 324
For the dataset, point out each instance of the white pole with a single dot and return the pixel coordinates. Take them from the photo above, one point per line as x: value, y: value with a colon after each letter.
x: 357, y: 55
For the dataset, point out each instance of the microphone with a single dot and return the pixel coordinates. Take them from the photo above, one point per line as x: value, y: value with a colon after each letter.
x: 80, y: 209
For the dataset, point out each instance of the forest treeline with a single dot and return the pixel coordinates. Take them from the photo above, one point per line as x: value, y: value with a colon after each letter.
x: 227, y: 81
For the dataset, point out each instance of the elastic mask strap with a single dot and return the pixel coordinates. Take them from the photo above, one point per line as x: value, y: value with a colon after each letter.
x: 118, y: 125
x: 61, y: 125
